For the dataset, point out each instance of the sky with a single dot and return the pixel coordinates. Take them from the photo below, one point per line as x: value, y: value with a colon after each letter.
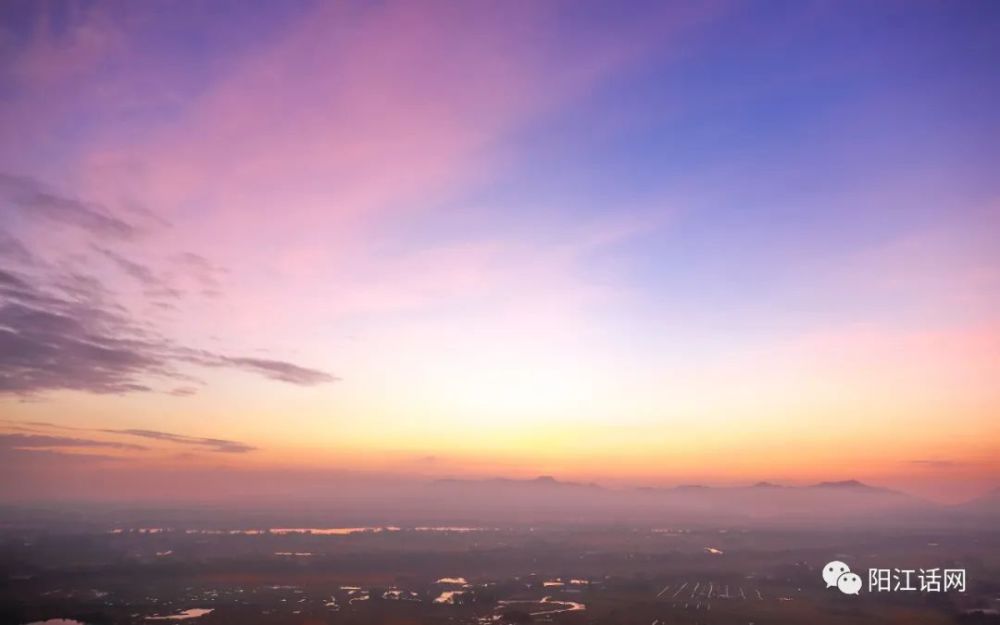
x: 631, y: 243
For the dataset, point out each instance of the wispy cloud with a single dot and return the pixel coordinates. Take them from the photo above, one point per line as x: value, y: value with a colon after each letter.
x: 154, y: 286
x: 212, y: 444
x: 202, y: 270
x: 48, y: 343
x: 59, y: 338
x: 937, y: 464
x: 27, y: 435
x: 277, y: 370
x: 42, y: 441
x: 27, y: 194
x: 138, y: 271
x: 12, y: 249
x: 62, y: 327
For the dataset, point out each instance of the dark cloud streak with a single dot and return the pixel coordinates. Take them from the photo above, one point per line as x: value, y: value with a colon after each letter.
x: 52, y: 341
x: 30, y: 195
x: 214, y: 444
x: 43, y: 441
x: 156, y: 287
x: 138, y: 271
x: 12, y: 249
x: 63, y: 330
x: 282, y: 371
x: 936, y: 464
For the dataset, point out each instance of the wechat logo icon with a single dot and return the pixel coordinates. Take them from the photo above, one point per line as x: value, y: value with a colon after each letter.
x: 838, y: 574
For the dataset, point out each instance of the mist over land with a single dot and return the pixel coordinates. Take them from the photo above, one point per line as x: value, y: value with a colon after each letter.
x: 383, y: 499
x: 498, y: 551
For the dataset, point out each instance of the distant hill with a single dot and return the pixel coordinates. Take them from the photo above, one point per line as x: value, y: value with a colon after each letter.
x: 849, y: 484
x: 987, y: 506
x: 540, y: 481
x: 546, y: 498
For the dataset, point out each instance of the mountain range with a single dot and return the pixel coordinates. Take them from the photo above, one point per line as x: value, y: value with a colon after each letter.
x: 833, y: 502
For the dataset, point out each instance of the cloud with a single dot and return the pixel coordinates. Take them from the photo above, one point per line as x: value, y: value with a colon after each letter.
x: 62, y: 328
x: 937, y: 464
x: 213, y: 444
x: 41, y: 441
x: 138, y: 271
x: 273, y: 369
x: 11, y: 281
x: 30, y: 195
x: 32, y: 439
x: 278, y: 370
x: 155, y: 287
x: 201, y: 269
x: 11, y: 248
x: 70, y: 346
x: 71, y: 337
x: 59, y: 462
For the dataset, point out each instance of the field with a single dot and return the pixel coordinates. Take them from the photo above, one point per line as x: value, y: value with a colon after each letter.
x: 478, y: 575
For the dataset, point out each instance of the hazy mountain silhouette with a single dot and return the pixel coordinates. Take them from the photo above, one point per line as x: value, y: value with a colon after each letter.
x: 546, y: 498
x: 986, y: 506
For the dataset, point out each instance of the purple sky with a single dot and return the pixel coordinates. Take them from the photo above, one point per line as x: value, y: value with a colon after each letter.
x: 639, y: 243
